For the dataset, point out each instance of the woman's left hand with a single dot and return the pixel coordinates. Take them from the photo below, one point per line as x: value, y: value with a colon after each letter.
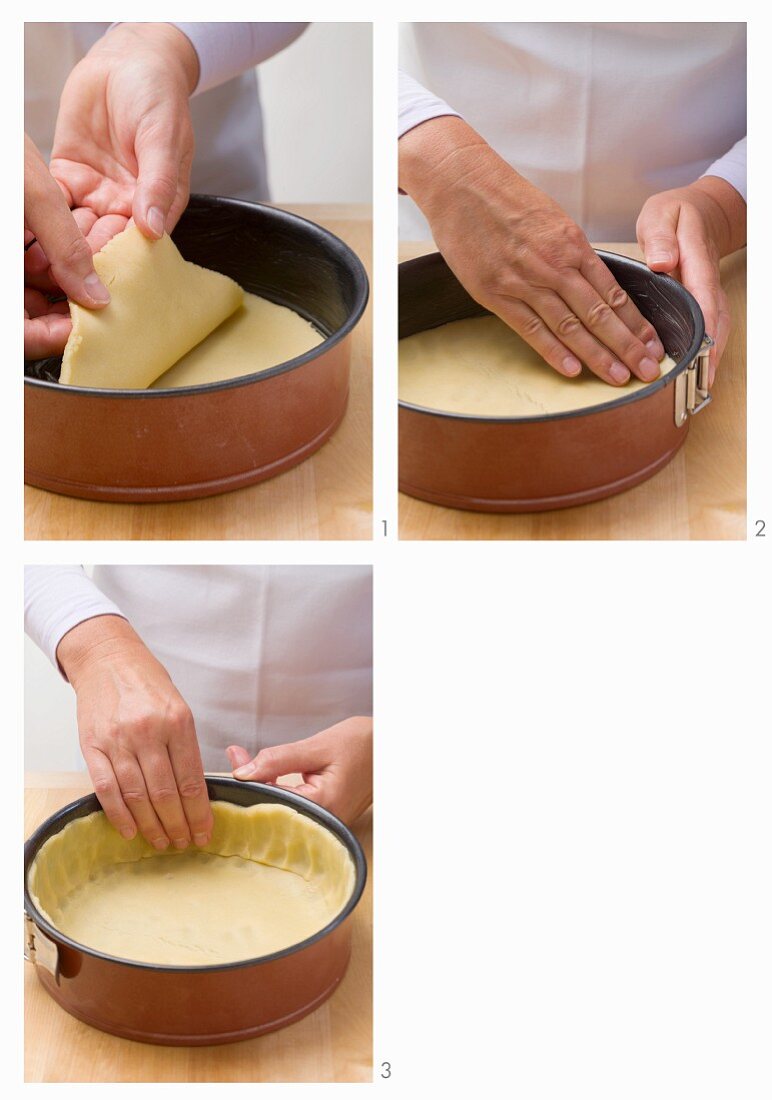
x: 685, y: 232
x: 336, y: 765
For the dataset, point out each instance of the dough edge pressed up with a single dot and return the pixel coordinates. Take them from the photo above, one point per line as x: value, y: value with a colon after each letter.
x: 282, y: 879
x: 480, y: 367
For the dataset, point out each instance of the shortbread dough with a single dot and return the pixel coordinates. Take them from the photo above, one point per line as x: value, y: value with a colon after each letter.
x: 481, y: 367
x: 258, y: 336
x: 270, y: 878
x: 160, y: 307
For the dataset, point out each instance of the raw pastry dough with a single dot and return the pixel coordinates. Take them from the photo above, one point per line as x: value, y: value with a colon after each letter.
x: 269, y: 878
x: 482, y: 368
x: 255, y: 338
x: 161, y: 306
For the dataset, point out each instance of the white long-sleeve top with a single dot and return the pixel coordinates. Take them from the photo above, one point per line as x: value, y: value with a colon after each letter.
x: 598, y: 115
x: 226, y: 114
x: 262, y: 654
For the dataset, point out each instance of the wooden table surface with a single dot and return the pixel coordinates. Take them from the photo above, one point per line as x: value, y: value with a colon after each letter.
x: 699, y: 495
x: 334, y: 1043
x: 329, y: 496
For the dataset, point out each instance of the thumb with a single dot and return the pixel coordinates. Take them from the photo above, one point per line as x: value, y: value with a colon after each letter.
x: 238, y: 756
x: 656, y: 232
x: 269, y: 764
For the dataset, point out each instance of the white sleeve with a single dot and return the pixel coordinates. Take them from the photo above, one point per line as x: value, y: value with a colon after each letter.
x: 417, y: 105
x: 57, y: 598
x: 226, y: 50
x: 732, y: 167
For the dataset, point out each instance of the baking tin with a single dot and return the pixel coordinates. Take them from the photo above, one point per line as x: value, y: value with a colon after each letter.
x: 193, y: 1006
x: 533, y: 464
x: 196, y: 441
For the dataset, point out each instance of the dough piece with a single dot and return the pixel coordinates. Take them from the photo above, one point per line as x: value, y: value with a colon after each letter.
x: 269, y: 878
x: 258, y: 336
x: 482, y: 368
x: 161, y: 306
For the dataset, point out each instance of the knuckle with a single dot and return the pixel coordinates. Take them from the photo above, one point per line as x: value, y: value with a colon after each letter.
x: 598, y: 314
x: 192, y: 788
x: 568, y: 325
x: 103, y: 785
x: 532, y: 326
x: 75, y: 253
x: 163, y: 793
x: 132, y: 795
x: 617, y: 297
x: 178, y: 714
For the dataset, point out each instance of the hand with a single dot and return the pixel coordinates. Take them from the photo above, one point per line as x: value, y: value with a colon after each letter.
x: 336, y: 765
x: 520, y: 255
x: 136, y: 734
x: 685, y: 232
x: 60, y: 259
x: 124, y: 141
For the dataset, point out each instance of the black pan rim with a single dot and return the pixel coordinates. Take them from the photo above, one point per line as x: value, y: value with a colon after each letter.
x: 362, y: 296
x: 591, y: 410
x: 296, y: 801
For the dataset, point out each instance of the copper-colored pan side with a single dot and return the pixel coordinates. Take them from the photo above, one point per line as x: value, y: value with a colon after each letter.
x: 497, y: 466
x: 181, y: 447
x: 186, y: 1008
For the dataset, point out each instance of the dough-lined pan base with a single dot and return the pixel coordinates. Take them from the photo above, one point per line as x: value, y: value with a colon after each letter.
x: 480, y: 367
x: 258, y: 336
x: 269, y: 879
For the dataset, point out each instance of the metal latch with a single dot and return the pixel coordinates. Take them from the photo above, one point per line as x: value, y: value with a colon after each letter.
x: 692, y: 388
x: 39, y: 949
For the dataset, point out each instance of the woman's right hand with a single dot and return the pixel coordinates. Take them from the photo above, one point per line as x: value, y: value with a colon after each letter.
x: 519, y: 254
x: 137, y: 735
x: 60, y: 260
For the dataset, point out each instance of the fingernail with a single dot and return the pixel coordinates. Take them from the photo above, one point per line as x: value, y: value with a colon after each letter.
x: 571, y: 366
x: 161, y: 843
x: 244, y: 771
x: 201, y: 839
x: 655, y: 349
x: 649, y: 369
x: 180, y: 842
x: 95, y: 288
x: 659, y: 258
x: 128, y: 833
x: 619, y: 373
x: 156, y: 221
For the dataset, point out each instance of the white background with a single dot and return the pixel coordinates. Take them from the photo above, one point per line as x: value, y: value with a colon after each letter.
x: 573, y: 753
x: 317, y: 113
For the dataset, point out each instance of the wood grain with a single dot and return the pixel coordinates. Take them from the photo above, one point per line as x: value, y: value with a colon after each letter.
x: 699, y: 495
x: 334, y: 1043
x: 329, y: 496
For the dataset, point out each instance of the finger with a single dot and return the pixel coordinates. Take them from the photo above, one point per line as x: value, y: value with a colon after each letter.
x: 565, y: 325
x: 104, y: 229
x: 238, y: 756
x: 135, y: 794
x: 109, y: 794
x: 723, y: 330
x: 701, y: 276
x: 527, y: 324
x: 598, y: 320
x: 188, y: 770
x: 656, y: 230
x: 270, y: 763
x: 599, y: 276
x: 47, y: 335
x: 64, y: 246
x: 158, y: 166
x: 164, y: 796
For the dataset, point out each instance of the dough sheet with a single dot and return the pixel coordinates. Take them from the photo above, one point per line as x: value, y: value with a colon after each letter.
x: 258, y: 336
x: 161, y: 306
x: 269, y: 878
x: 480, y: 367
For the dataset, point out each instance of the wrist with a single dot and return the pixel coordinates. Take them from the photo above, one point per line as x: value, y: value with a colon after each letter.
x: 434, y: 155
x: 724, y: 210
x: 99, y: 638
x: 171, y: 44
